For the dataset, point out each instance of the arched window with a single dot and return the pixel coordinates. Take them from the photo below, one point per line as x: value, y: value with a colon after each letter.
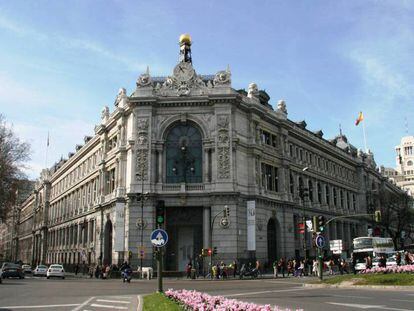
x: 410, y: 163
x: 184, y: 154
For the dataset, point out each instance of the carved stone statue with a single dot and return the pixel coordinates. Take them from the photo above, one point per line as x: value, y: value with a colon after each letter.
x: 144, y: 80
x: 122, y: 98
x: 105, y: 114
x: 253, y: 90
x: 281, y: 106
x: 222, y: 77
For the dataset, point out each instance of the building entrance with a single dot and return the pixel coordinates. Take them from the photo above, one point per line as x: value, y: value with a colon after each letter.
x: 185, y: 230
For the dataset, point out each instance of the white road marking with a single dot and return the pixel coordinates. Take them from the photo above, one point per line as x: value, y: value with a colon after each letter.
x: 139, y: 307
x: 114, y: 301
x: 267, y: 291
x: 359, y: 306
x: 108, y: 306
x: 346, y: 296
x: 83, y: 304
x: 282, y: 282
x: 43, y: 306
x: 405, y: 300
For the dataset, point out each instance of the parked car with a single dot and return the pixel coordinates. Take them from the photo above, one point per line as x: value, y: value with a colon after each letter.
x: 40, y: 270
x: 55, y: 271
x: 27, y: 268
x: 10, y: 270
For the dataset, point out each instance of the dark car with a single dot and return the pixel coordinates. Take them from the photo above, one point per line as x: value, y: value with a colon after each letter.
x: 11, y: 270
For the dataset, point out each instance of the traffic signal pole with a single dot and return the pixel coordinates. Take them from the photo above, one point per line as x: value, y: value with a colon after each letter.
x: 226, y: 212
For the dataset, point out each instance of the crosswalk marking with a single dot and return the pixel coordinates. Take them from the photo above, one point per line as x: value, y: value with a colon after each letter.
x: 108, y: 306
x: 114, y: 301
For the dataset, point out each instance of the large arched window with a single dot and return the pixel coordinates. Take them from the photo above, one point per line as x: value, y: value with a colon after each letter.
x: 184, y: 154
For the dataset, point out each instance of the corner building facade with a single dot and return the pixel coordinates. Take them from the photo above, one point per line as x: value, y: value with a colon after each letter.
x: 198, y: 145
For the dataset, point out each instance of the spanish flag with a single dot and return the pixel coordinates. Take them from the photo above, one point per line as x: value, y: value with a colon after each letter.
x: 360, y: 118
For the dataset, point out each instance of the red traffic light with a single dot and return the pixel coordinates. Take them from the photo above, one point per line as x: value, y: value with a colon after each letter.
x: 209, y: 251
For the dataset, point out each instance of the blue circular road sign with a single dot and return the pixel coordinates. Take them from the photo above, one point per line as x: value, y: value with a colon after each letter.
x: 159, y: 237
x: 320, y: 241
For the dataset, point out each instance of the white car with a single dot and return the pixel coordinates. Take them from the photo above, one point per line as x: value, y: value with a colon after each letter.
x: 27, y: 268
x: 40, y: 270
x: 55, y: 271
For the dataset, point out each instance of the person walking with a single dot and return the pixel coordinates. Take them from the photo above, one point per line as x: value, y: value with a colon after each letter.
x: 354, y: 262
x: 398, y: 259
x: 283, y: 266
x: 330, y: 266
x: 315, y: 268
x: 275, y: 268
x: 76, y: 269
x: 234, y: 269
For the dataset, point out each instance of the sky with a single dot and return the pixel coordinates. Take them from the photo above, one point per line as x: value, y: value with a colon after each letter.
x: 62, y: 61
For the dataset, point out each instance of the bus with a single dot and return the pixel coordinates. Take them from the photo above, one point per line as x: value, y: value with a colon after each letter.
x: 372, y: 246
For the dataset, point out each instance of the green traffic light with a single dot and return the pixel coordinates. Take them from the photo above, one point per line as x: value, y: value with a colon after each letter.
x: 160, y: 219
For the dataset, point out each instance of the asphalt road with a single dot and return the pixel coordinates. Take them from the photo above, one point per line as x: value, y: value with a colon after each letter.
x: 92, y: 294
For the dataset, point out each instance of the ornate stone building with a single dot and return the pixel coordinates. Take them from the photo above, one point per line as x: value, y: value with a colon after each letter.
x: 403, y: 174
x: 196, y: 144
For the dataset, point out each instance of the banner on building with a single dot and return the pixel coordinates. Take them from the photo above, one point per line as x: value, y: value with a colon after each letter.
x: 251, y: 225
x: 119, y: 230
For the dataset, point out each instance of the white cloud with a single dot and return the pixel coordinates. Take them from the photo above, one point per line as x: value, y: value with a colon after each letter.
x: 71, y: 43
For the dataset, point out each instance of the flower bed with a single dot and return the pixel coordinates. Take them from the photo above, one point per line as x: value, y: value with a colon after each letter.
x: 196, y: 301
x: 392, y: 269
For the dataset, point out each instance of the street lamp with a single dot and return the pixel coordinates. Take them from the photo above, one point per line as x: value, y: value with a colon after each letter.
x: 303, y: 193
x: 226, y: 213
x: 142, y: 197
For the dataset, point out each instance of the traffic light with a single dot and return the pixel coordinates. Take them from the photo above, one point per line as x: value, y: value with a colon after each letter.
x: 377, y: 216
x: 129, y: 254
x: 321, y: 223
x: 226, y: 211
x: 204, y: 252
x: 160, y: 213
x: 301, y: 228
x: 209, y: 252
x: 215, y: 250
x: 315, y: 223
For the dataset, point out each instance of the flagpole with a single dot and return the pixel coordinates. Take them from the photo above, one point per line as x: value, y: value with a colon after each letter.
x: 47, y: 149
x: 365, y: 136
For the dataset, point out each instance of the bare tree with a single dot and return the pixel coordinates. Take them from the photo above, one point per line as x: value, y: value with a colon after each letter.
x: 13, y: 154
x: 397, y: 215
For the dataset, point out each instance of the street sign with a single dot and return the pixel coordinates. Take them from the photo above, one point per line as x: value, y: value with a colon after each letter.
x: 159, y: 237
x: 141, y: 252
x: 224, y: 222
x: 320, y: 241
x: 336, y: 246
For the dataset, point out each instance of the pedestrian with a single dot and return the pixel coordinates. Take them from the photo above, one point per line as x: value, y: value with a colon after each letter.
x: 97, y: 269
x: 315, y: 267
x: 188, y: 269
x: 76, y: 269
x: 398, y: 259
x: 340, y: 267
x: 234, y: 269
x: 275, y: 268
x: 354, y: 262
x: 382, y: 262
x: 290, y: 267
x: 330, y: 266
x: 283, y: 266
x: 368, y: 262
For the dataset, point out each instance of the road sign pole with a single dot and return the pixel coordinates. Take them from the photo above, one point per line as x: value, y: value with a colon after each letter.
x: 159, y: 269
x: 320, y: 263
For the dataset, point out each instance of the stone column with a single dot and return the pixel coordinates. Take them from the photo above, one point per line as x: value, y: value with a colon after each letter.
x: 206, y: 227
x: 282, y: 180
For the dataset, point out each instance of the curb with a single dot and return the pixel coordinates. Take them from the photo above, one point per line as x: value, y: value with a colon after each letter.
x: 403, y: 288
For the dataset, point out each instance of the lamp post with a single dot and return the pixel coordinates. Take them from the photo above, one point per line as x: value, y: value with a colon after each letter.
x: 211, y: 237
x: 142, y: 197
x: 303, y: 194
